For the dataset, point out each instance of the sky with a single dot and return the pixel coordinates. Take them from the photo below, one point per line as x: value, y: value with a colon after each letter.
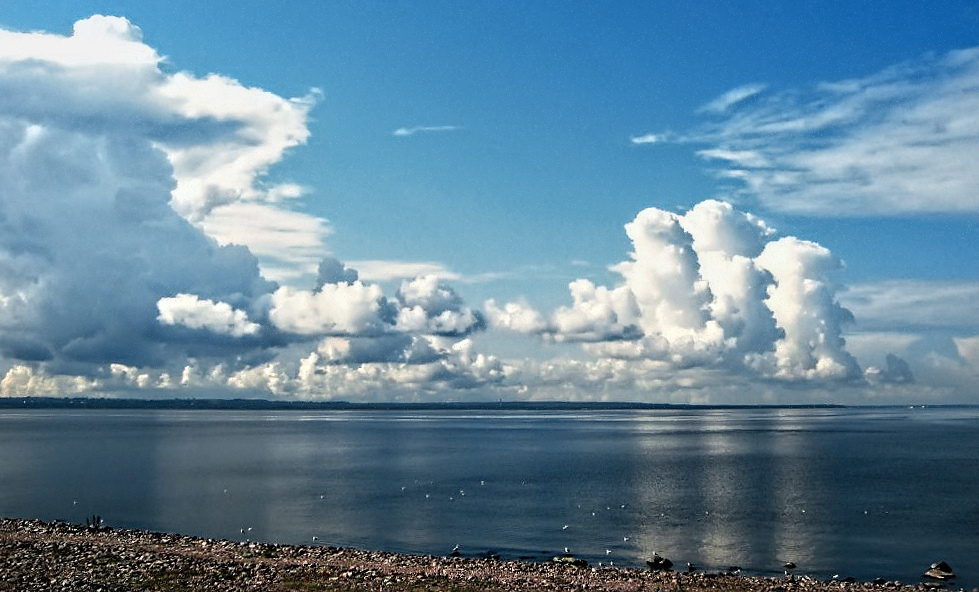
x: 717, y: 202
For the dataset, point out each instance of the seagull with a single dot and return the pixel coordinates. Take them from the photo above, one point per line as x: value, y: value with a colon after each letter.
x: 316, y: 538
x: 565, y: 527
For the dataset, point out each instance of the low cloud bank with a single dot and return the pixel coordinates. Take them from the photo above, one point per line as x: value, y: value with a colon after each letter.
x: 714, y: 288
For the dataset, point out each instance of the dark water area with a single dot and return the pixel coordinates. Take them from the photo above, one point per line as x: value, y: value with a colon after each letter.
x: 862, y: 492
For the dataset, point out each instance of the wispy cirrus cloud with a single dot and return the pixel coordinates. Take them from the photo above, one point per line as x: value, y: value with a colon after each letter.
x: 403, y: 132
x: 913, y: 306
x: 901, y: 141
x: 731, y: 98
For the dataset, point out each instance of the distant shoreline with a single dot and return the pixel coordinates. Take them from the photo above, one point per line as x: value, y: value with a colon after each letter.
x: 276, y: 405
x: 38, y: 555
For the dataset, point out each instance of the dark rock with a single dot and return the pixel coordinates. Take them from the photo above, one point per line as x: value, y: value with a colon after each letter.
x: 940, y: 571
x: 659, y: 563
x: 734, y: 569
x: 570, y: 560
x: 880, y: 581
x: 789, y: 565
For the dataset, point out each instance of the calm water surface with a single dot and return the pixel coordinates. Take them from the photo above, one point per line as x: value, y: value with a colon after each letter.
x: 854, y: 492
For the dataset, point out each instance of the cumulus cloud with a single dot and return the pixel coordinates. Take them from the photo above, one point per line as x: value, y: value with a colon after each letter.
x: 139, y: 236
x: 333, y: 309
x: 192, y: 312
x: 429, y: 306
x: 710, y: 288
x: 803, y: 303
x: 101, y: 151
x: 519, y: 317
x: 896, y: 142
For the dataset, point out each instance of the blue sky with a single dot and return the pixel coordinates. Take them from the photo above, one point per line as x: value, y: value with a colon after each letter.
x: 499, y: 149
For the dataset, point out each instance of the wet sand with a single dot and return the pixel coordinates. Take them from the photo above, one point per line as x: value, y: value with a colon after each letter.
x: 58, y: 556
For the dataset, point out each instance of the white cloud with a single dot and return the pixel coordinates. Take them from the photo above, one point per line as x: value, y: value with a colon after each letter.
x: 897, y: 142
x: 410, y: 131
x: 429, y: 306
x: 192, y: 312
x: 596, y: 314
x: 289, y: 245
x: 731, y: 98
x: 649, y: 139
x: 117, y: 176
x: 803, y: 303
x: 914, y: 305
x: 709, y: 288
x: 519, y: 317
x: 98, y: 145
x: 334, y: 309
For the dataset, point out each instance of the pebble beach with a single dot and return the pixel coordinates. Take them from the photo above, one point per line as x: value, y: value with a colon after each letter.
x: 58, y: 556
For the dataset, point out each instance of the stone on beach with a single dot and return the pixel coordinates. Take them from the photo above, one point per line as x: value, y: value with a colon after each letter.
x: 59, y: 556
x: 940, y: 571
x: 659, y: 563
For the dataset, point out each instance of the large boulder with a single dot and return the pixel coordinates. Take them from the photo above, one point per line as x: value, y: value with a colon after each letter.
x: 940, y: 571
x: 659, y: 563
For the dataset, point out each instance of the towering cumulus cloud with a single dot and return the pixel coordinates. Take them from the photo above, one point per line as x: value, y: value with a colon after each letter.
x: 708, y: 288
x: 97, y: 162
x: 123, y: 187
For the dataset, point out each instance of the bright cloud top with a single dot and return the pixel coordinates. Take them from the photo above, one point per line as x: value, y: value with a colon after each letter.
x: 900, y: 141
x: 709, y: 288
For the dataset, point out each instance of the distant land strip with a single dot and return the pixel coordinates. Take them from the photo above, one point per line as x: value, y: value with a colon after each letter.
x: 276, y: 405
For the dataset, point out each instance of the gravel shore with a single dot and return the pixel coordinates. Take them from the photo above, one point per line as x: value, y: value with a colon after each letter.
x: 58, y: 556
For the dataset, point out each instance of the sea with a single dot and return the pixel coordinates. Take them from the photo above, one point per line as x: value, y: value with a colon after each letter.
x: 839, y: 492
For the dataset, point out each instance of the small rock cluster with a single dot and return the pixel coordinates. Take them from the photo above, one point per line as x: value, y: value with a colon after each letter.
x: 64, y: 557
